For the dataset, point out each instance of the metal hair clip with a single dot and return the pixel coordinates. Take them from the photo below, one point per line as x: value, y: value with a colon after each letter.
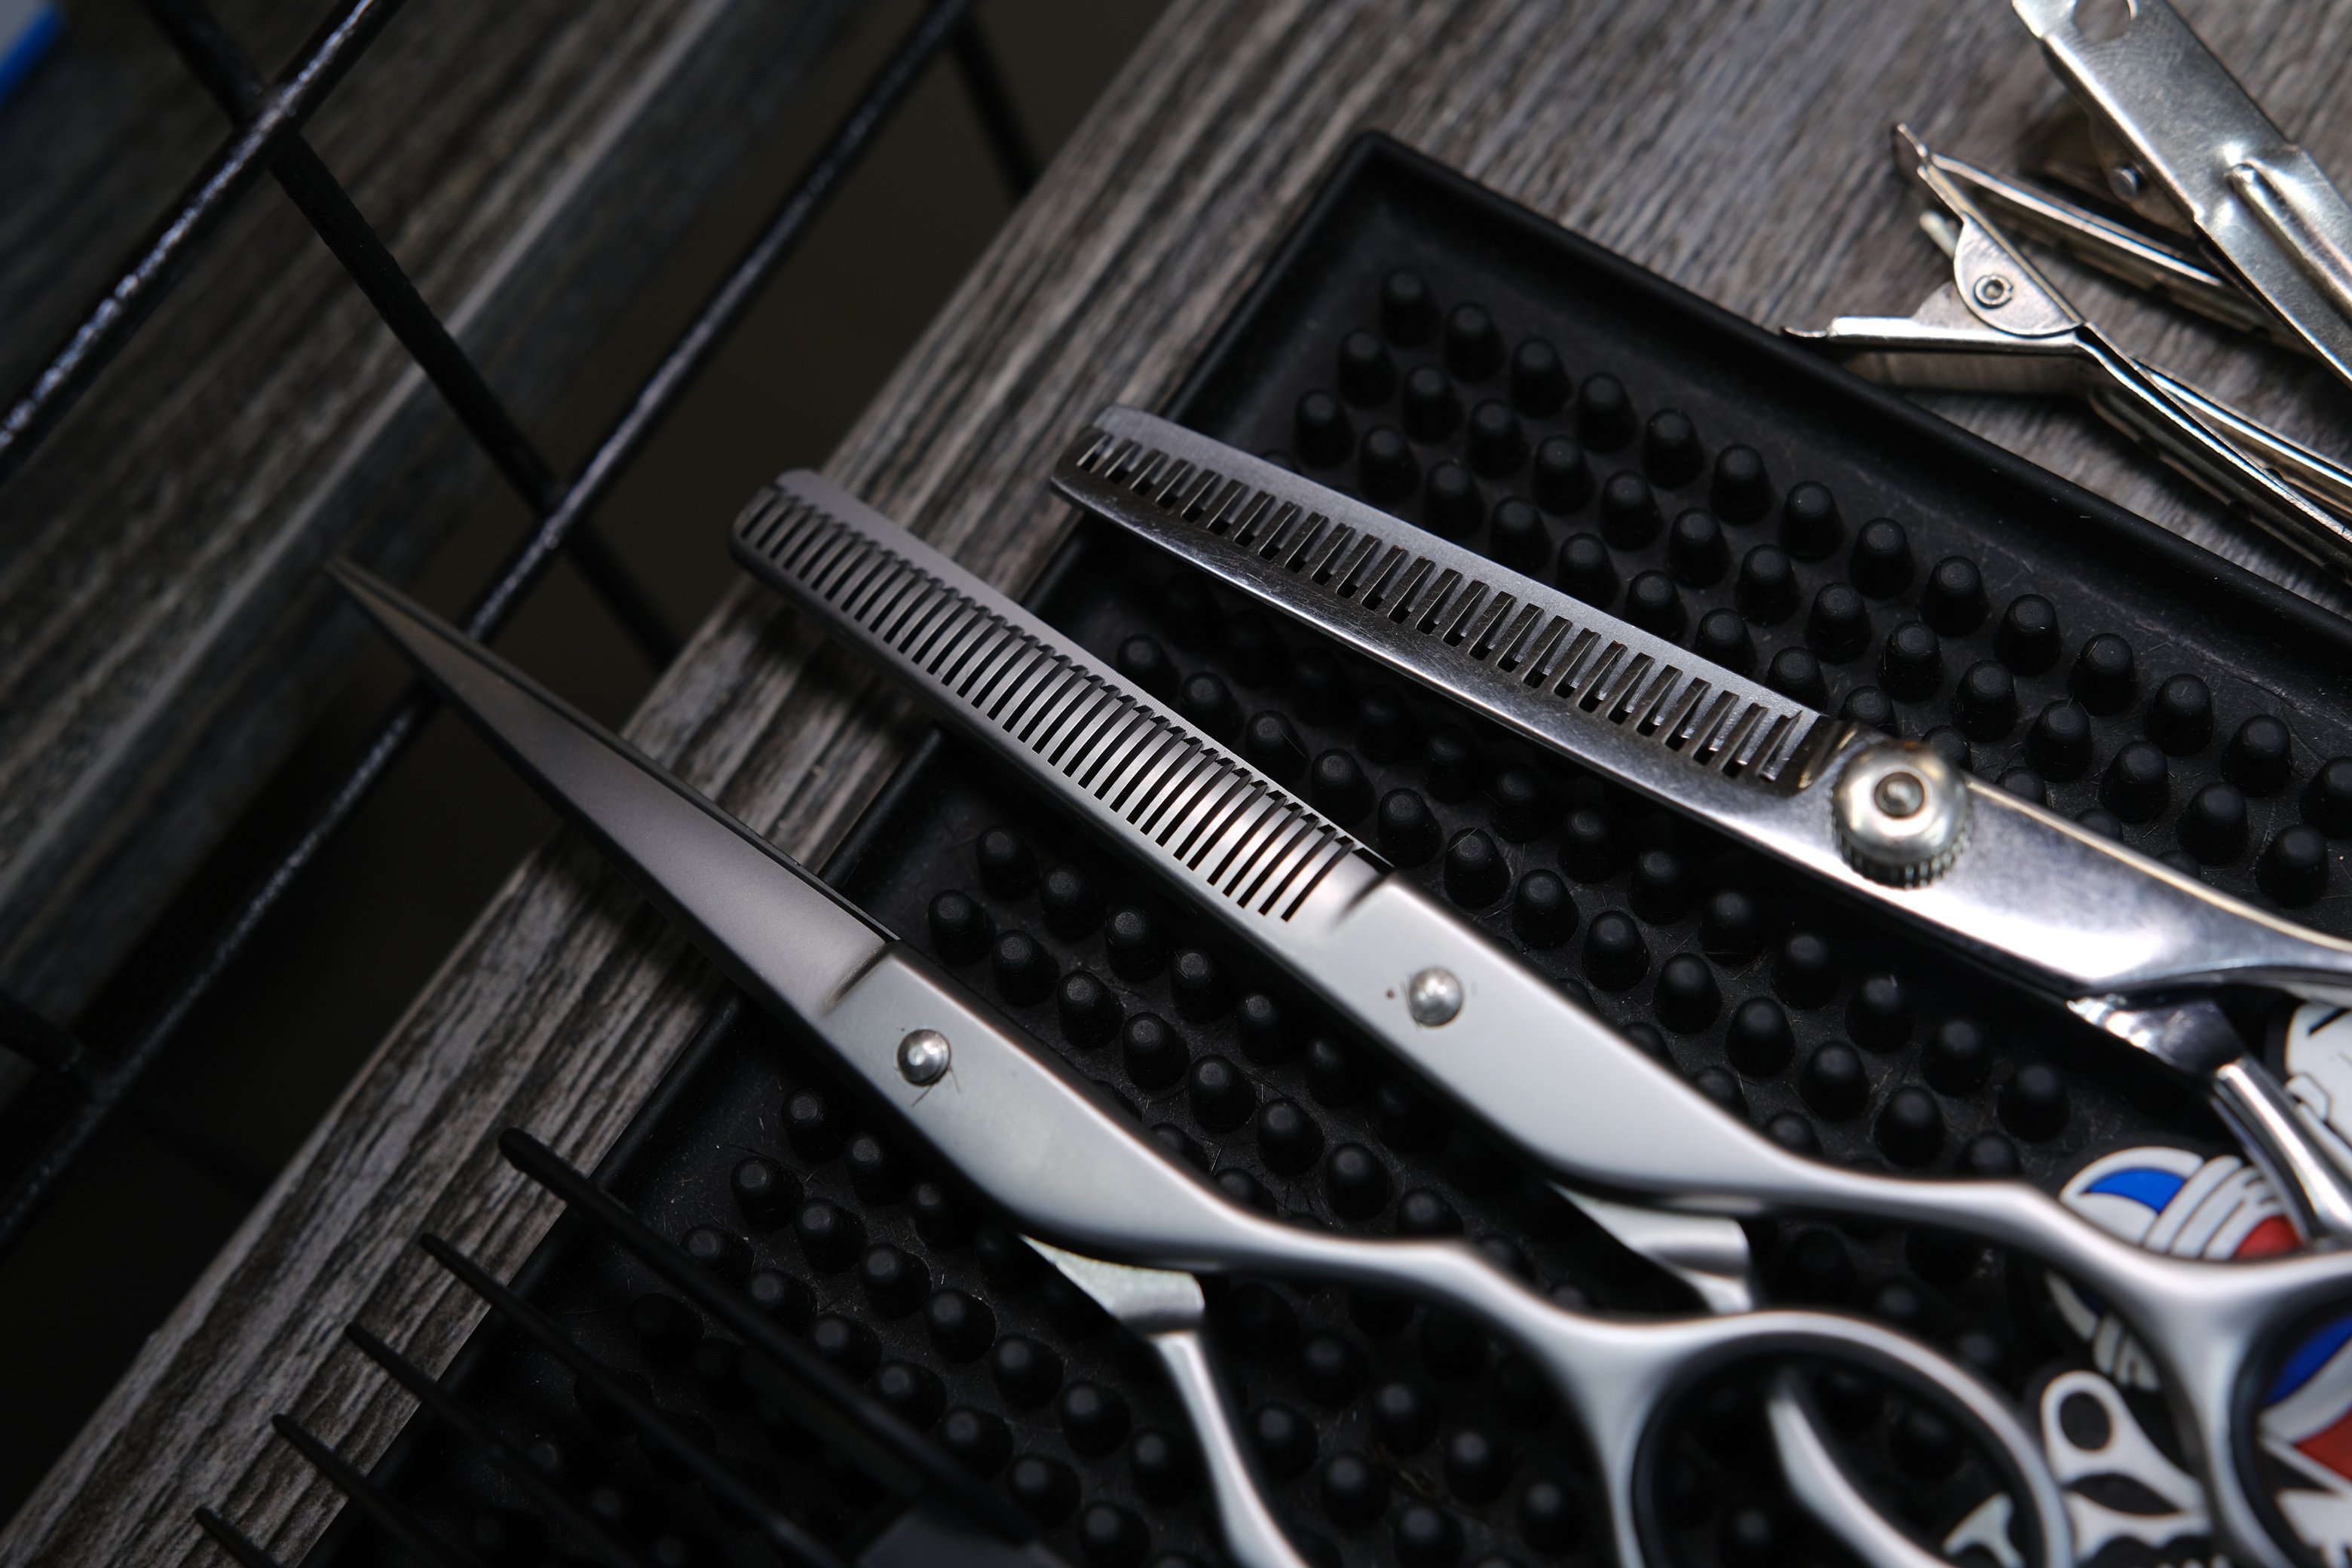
x: 2000, y: 325
x: 2183, y: 145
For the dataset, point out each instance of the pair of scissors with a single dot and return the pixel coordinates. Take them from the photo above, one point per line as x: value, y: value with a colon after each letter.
x: 2123, y: 941
x: 1071, y: 1166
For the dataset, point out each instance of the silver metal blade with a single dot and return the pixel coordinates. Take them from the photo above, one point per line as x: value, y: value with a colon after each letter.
x: 2061, y: 909
x: 1146, y: 1300
x: 1618, y: 698
x: 769, y: 923
x: 1012, y: 682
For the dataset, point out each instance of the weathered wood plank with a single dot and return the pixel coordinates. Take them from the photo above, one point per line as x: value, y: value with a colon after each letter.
x: 163, y: 632
x: 1734, y: 146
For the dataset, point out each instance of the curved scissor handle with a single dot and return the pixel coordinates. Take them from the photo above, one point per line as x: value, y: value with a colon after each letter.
x: 1653, y: 1364
x: 1619, y: 1375
x: 1253, y: 1537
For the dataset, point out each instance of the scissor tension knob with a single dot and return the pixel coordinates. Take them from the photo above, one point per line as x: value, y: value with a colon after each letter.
x: 1901, y: 814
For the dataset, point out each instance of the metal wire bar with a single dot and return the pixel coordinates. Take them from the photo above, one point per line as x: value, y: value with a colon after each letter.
x: 373, y: 1500
x: 150, y: 273
x: 27, y: 1034
x: 622, y: 442
x: 233, y: 1542
x: 795, y: 1544
x: 215, y: 59
x: 500, y: 1450
x: 991, y: 101
x: 889, y: 1443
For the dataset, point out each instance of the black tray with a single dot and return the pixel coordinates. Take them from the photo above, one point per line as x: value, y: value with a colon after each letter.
x: 2011, y: 1083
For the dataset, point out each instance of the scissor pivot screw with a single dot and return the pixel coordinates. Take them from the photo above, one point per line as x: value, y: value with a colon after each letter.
x: 923, y: 1057
x: 1902, y: 813
x: 1432, y: 997
x: 1993, y: 290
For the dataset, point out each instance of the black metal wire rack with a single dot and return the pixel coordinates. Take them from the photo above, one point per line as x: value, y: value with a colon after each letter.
x: 873, y: 1489
x: 268, y: 118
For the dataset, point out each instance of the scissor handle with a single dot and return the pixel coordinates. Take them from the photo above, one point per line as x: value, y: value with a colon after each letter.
x: 1618, y: 1376
x: 1654, y: 1364
x: 1253, y: 1537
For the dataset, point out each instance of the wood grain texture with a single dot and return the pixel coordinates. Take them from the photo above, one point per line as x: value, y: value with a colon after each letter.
x: 1735, y: 147
x: 164, y: 634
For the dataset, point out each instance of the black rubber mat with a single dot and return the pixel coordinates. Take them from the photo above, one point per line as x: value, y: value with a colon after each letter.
x: 1427, y: 346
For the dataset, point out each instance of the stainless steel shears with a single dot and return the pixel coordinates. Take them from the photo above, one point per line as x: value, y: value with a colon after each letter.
x: 1070, y: 1165
x: 2121, y: 939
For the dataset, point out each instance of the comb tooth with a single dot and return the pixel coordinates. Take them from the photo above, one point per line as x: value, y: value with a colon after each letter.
x: 1400, y: 573
x: 1292, y: 832
x: 1245, y: 853
x: 1127, y: 734
x: 1452, y: 622
x: 1793, y: 744
x: 1428, y: 587
x: 1422, y: 610
x: 1585, y: 674
x: 856, y: 578
x: 1161, y: 783
x: 1168, y: 487
x: 1607, y: 695
x: 969, y: 658
x: 1537, y: 648
x: 1152, y: 472
x: 1227, y: 802
x: 888, y: 608
x: 1349, y: 552
x: 805, y: 546
x: 1236, y: 512
x: 760, y: 532
x: 1070, y: 687
x: 1088, y: 449
x: 1496, y: 631
x: 937, y: 614
x: 1349, y: 567
x: 1156, y: 749
x: 1692, y: 735
x: 950, y: 632
x: 1760, y: 744
x: 1667, y: 717
x: 1642, y: 683
x: 1015, y: 694
x: 1294, y: 524
x: 1123, y: 461
x: 1372, y: 565
x: 878, y: 590
x: 1312, y: 546
x: 1269, y: 525
x: 1089, y: 718
x: 1181, y: 791
x: 1560, y: 652
x: 1288, y: 899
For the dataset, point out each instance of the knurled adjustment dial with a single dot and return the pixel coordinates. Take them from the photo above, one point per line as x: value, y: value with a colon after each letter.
x: 1900, y: 812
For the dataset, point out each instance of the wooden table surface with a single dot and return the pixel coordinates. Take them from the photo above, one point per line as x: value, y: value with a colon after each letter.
x: 1738, y: 146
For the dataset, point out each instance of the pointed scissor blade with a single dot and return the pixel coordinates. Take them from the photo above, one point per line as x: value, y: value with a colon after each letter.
x: 1146, y: 1300
x: 754, y: 912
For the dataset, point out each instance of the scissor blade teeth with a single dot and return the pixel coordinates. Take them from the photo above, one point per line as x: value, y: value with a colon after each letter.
x: 1602, y: 690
